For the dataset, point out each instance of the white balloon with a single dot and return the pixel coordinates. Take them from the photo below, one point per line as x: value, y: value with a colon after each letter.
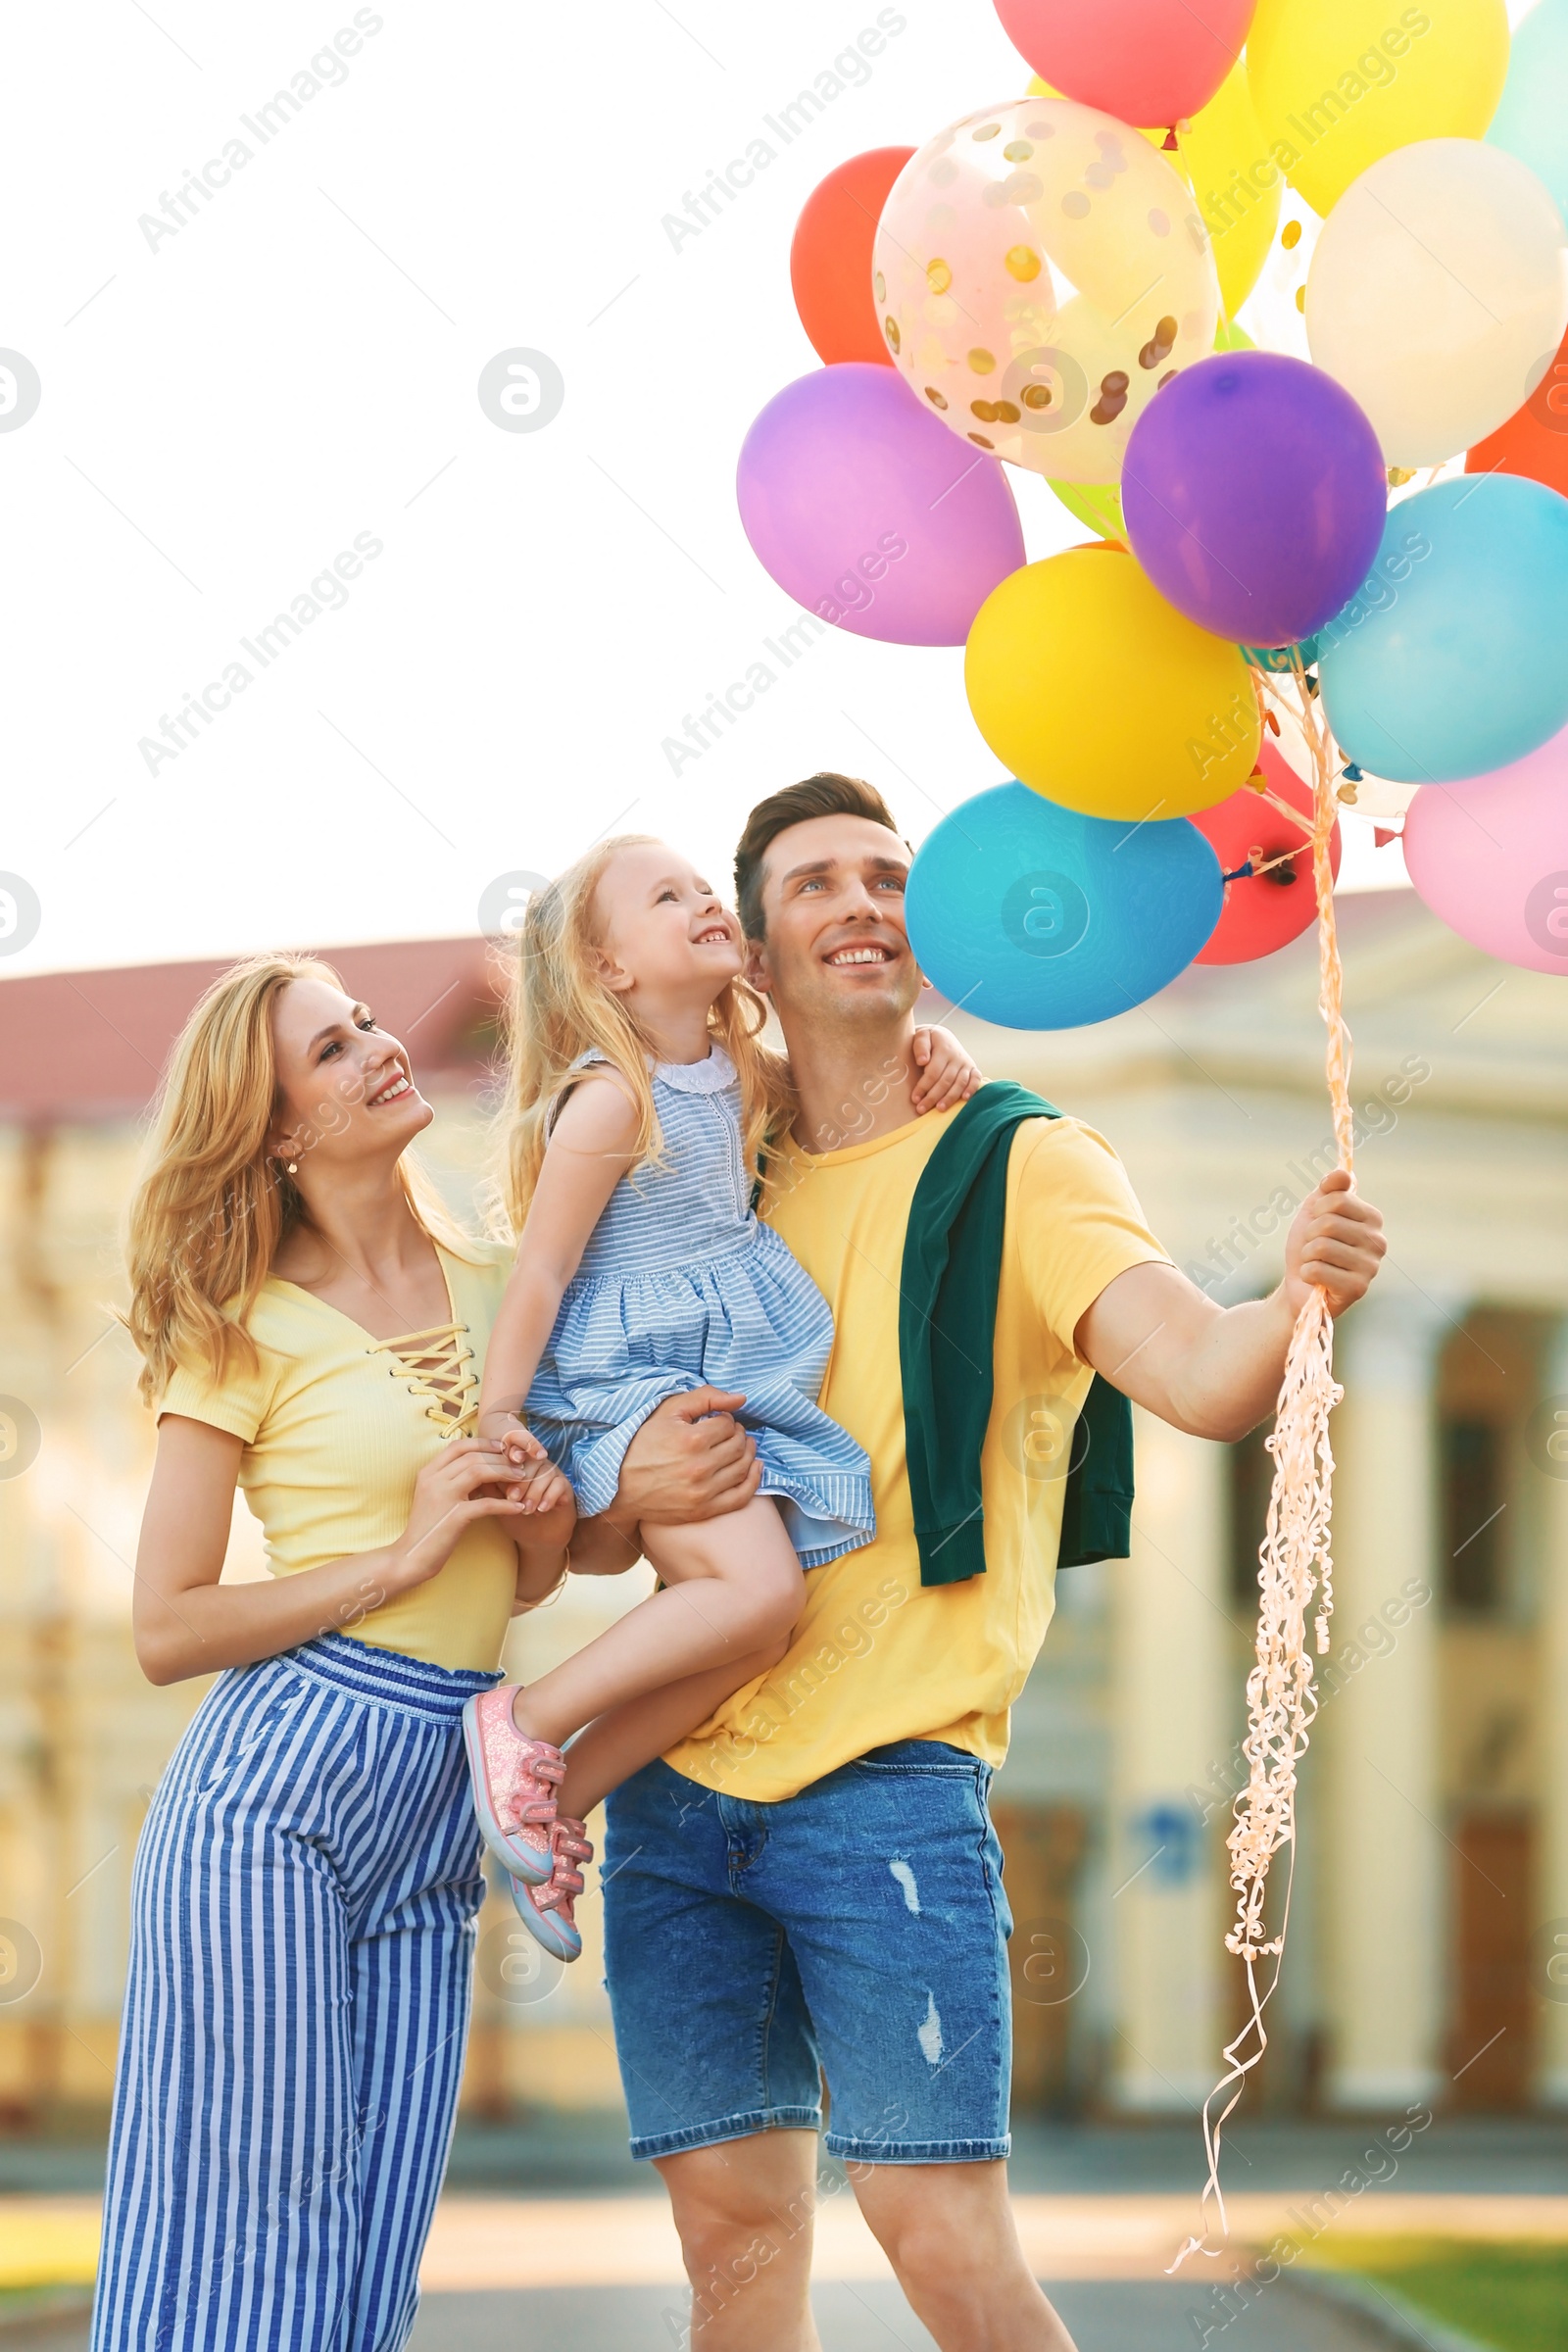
x: 1439, y: 294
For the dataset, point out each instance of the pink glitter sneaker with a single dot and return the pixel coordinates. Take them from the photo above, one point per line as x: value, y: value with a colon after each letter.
x: 546, y: 1911
x: 514, y: 1781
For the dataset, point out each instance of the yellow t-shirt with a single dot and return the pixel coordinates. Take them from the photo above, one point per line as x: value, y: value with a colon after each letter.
x: 336, y: 1429
x: 876, y: 1656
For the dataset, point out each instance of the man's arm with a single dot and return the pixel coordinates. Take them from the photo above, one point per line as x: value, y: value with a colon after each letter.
x: 1216, y: 1371
x: 690, y: 1460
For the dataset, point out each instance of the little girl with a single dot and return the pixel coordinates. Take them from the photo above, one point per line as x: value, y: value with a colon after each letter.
x: 640, y: 1102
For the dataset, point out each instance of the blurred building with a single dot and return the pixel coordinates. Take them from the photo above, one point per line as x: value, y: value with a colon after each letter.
x: 1427, y: 1954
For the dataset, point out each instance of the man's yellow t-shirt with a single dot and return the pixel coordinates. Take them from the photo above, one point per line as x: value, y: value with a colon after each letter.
x: 876, y: 1656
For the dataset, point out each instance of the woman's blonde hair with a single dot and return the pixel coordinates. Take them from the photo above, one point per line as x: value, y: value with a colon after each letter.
x: 558, y: 1008
x: 210, y: 1208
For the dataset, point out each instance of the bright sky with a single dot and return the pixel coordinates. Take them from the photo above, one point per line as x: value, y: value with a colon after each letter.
x: 293, y: 375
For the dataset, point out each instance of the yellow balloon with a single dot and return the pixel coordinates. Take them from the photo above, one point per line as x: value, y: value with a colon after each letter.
x: 1089, y: 687
x: 1338, y: 83
x: 1220, y: 150
x: 1219, y: 153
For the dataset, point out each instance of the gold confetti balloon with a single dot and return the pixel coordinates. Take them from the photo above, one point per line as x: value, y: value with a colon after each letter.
x: 1039, y: 272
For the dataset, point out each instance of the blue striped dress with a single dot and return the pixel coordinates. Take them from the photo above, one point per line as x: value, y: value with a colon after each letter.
x: 680, y: 1286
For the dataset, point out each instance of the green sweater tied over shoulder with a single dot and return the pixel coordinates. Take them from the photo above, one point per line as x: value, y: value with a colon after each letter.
x: 947, y: 1328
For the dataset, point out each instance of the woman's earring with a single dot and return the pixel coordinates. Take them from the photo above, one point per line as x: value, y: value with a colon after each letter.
x: 293, y: 1166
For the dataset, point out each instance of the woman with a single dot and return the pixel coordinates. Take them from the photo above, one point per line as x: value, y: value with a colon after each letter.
x: 313, y: 1328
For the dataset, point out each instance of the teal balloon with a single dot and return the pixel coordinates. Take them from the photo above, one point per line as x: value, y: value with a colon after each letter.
x: 1532, y: 117
x: 1036, y: 917
x: 1448, y: 659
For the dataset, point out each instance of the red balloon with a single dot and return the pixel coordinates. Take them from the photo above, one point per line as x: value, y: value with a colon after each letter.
x: 830, y: 259
x: 1535, y: 440
x: 1261, y: 912
x: 1148, y: 62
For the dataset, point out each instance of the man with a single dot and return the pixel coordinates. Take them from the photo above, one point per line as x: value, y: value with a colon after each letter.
x: 810, y: 1886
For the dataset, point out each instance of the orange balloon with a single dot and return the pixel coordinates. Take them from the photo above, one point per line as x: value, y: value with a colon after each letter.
x: 1535, y: 440
x: 830, y: 259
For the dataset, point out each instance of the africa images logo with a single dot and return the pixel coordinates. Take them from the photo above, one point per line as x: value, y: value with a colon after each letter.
x: 1044, y: 913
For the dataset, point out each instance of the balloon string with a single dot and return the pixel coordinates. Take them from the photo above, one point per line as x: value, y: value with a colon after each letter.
x: 1294, y: 1563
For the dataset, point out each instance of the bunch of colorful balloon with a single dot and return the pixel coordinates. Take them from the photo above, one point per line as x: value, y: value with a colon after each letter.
x: 1050, y: 285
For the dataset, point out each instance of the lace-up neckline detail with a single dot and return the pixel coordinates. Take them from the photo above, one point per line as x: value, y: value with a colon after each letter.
x: 438, y: 1367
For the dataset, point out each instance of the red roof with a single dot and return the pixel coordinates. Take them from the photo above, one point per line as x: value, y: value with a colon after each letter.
x: 92, y: 1044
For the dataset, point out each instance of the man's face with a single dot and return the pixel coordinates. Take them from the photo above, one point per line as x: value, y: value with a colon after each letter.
x: 833, y: 904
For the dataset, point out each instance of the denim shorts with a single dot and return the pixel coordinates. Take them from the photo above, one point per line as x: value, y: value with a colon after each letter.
x: 852, y: 1937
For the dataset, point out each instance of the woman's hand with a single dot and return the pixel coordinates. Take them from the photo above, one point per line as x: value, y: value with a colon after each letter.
x: 448, y: 1494
x: 951, y: 1074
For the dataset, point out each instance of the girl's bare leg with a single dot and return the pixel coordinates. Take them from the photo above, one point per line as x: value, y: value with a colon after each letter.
x: 732, y: 1586
x: 622, y: 1742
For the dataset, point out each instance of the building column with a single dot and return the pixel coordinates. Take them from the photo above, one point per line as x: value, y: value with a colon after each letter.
x: 1383, y: 1852
x: 1169, y: 1642
x: 1548, y: 1448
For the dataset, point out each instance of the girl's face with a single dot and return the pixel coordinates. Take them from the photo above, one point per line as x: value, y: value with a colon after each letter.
x: 662, y: 933
x: 346, y: 1091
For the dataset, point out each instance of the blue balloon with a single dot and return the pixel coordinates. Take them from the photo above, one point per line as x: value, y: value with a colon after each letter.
x: 1530, y: 113
x: 1036, y: 917
x: 1448, y: 659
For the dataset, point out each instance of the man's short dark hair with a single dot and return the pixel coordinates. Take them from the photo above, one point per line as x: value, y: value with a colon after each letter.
x: 824, y: 795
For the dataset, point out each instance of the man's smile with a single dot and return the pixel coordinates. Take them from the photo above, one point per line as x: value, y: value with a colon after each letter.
x: 862, y: 952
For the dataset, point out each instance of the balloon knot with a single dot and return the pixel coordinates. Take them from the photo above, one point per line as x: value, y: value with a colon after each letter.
x: 1351, y: 772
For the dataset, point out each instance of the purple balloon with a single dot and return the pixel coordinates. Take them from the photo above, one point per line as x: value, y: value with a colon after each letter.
x: 865, y: 508
x: 1254, y: 493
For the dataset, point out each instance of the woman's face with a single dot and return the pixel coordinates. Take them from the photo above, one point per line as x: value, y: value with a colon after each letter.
x: 346, y: 1089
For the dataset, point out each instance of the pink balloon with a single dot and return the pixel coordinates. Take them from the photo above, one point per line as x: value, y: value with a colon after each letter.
x: 865, y: 507
x: 1490, y: 857
x: 1151, y: 62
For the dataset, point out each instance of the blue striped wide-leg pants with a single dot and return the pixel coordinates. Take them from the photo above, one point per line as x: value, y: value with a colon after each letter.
x: 302, y: 1938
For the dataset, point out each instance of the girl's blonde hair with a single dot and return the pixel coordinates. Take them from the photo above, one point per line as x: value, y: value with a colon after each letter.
x: 559, y: 1007
x: 210, y: 1209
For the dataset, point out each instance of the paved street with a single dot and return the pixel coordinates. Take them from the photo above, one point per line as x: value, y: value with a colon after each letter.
x: 1116, y: 2316
x: 1105, y: 2316
x: 620, y: 2288
x: 549, y: 2236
